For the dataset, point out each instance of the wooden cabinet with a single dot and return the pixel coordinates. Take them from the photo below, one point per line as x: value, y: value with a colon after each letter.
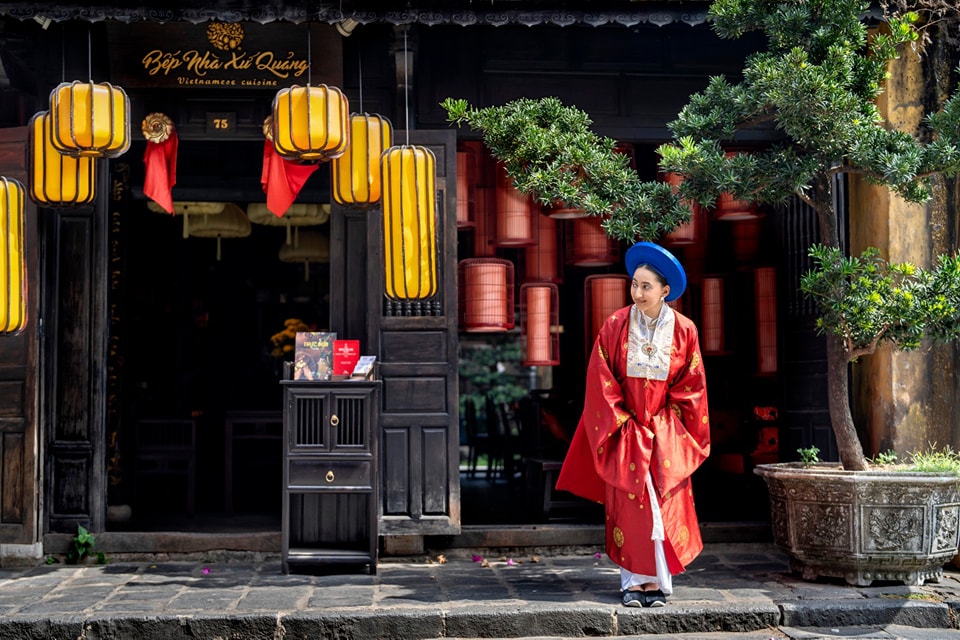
x: 330, y: 479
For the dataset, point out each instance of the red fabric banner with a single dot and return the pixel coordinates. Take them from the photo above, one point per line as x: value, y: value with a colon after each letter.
x: 282, y: 179
x: 160, y: 161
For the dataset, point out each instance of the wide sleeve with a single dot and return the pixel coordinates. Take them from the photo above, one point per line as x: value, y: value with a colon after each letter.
x: 682, y: 428
x: 618, y: 447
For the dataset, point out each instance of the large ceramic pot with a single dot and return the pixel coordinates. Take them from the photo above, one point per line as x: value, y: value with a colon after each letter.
x: 863, y: 525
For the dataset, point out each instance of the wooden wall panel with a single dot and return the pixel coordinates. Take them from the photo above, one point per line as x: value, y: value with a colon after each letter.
x: 12, y: 506
x: 19, y: 376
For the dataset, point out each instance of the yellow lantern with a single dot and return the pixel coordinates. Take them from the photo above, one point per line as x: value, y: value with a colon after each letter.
x: 310, y: 123
x: 409, y: 222
x: 90, y: 120
x: 13, y: 307
x: 356, y: 174
x: 57, y: 180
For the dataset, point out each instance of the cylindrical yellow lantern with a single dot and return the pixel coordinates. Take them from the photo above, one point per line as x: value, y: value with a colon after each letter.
x: 356, y: 174
x: 311, y: 123
x: 13, y: 307
x: 90, y: 119
x: 409, y: 222
x: 57, y: 180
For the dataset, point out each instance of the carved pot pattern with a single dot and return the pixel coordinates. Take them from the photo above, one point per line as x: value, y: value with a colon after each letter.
x: 863, y: 525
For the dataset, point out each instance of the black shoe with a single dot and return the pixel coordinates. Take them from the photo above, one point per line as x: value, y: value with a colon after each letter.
x: 654, y: 598
x: 634, y: 599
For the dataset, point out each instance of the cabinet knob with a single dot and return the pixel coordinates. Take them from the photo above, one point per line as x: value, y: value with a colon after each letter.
x: 330, y: 476
x: 334, y: 420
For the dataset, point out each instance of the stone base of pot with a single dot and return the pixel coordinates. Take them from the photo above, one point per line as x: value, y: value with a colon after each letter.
x: 863, y: 526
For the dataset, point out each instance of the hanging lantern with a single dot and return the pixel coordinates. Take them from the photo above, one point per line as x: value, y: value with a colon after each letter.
x: 589, y: 244
x: 765, y: 286
x: 13, y: 306
x: 712, y: 324
x: 470, y: 175
x: 298, y: 215
x: 540, y: 325
x: 602, y: 295
x: 688, y: 232
x: 486, y: 295
x: 356, y: 174
x: 313, y: 247
x: 90, y: 120
x: 409, y: 222
x: 565, y: 213
x: 732, y: 210
x: 514, y: 214
x: 485, y: 223
x: 232, y: 222
x: 201, y: 210
x: 57, y: 180
x: 310, y: 123
x: 542, y: 262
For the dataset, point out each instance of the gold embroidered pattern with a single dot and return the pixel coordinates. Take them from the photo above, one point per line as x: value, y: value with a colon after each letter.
x: 633, y: 466
x: 621, y: 419
x: 704, y: 419
x: 683, y: 536
x: 666, y: 464
x: 694, y: 361
x: 617, y: 536
x: 632, y: 496
x: 600, y: 450
x: 676, y: 409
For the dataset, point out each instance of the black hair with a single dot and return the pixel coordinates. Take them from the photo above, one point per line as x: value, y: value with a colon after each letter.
x: 663, y: 281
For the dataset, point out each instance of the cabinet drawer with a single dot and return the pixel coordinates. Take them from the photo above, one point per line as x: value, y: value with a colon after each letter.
x: 333, y: 474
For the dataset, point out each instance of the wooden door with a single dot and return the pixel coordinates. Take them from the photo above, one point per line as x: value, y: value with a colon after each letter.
x: 417, y: 358
x: 74, y: 361
x: 19, y: 378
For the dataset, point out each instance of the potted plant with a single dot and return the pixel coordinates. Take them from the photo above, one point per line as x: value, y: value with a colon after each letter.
x: 817, y: 84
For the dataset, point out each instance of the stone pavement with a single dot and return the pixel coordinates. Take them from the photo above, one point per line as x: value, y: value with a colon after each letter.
x: 731, y: 591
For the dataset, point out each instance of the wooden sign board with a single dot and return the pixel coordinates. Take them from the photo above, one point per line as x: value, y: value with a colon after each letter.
x: 224, y: 55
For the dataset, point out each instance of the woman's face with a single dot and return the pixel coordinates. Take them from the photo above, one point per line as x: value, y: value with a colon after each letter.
x: 648, y: 291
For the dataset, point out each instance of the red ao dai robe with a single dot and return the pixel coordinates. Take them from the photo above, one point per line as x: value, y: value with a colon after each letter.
x: 631, y: 425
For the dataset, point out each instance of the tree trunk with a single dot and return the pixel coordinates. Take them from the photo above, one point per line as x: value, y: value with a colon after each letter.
x: 838, y: 383
x: 838, y: 399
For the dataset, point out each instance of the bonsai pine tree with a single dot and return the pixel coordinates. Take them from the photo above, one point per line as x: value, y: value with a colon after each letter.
x: 816, y: 85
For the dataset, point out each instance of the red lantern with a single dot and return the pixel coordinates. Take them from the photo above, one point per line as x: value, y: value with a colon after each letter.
x: 565, y: 213
x: 484, y: 223
x: 602, y: 295
x: 731, y: 210
x: 712, y: 323
x: 514, y: 214
x: 539, y: 324
x: 486, y: 295
x: 689, y: 232
x: 468, y: 174
x: 590, y: 246
x: 542, y: 262
x: 765, y: 284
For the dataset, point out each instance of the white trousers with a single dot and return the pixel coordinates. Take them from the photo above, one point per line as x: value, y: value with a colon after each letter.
x: 663, y: 579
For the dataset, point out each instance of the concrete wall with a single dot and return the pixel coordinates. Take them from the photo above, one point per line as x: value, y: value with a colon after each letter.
x: 905, y: 400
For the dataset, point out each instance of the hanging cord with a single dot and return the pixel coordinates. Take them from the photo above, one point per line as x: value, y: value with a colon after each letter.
x: 406, y: 87
x: 89, y: 54
x: 309, y: 57
x: 360, y: 78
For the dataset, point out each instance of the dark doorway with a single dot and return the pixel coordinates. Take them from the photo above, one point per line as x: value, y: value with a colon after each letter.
x: 200, y: 348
